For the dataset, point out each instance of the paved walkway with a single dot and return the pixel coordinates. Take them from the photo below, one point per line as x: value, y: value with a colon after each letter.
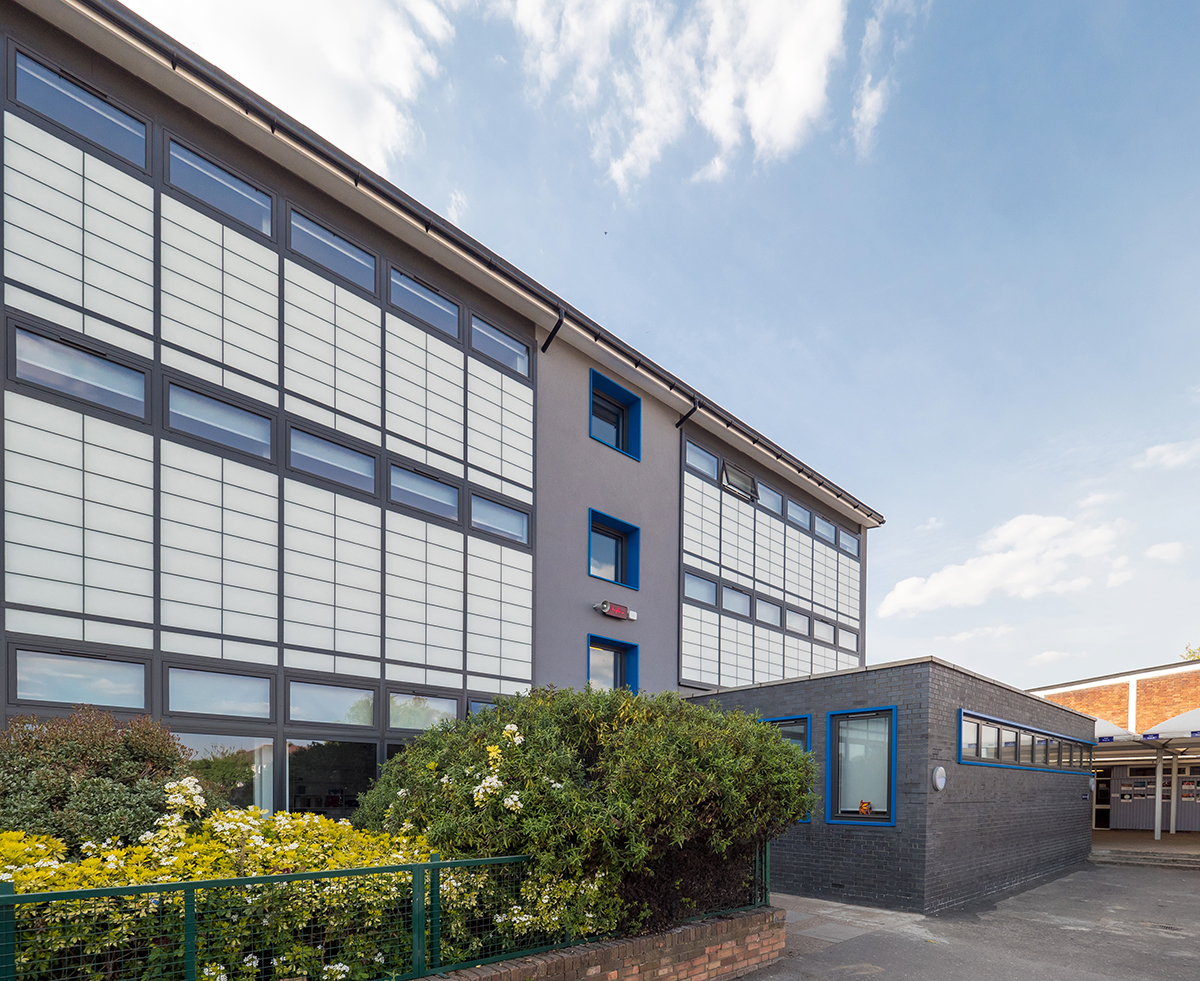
x: 1100, y: 923
x: 1182, y: 842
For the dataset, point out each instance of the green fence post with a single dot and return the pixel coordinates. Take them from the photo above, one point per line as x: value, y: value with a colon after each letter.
x: 767, y: 874
x: 189, y: 934
x: 418, y: 922
x: 435, y: 912
x: 8, y: 936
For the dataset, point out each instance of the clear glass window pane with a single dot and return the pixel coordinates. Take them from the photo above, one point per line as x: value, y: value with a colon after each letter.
x: 864, y: 758
x: 800, y: 517
x: 85, y: 376
x: 795, y: 731
x: 419, y: 711
x: 322, y: 458
x: 499, y: 520
x: 473, y: 706
x: 424, y: 493
x: 434, y: 309
x: 216, y: 186
x: 771, y: 500
x: 741, y: 482
x: 209, y: 693
x: 1008, y: 745
x: 989, y: 742
x: 603, y: 667
x: 326, y: 776
x: 1025, y: 745
x: 498, y: 345
x: 970, y: 738
x: 797, y: 623
x: 242, y: 766
x: 605, y: 557
x: 735, y: 601
x: 823, y: 631
x: 1053, y: 757
x: 702, y: 460
x: 1041, y: 750
x: 331, y: 703
x: 77, y: 109
x: 608, y: 421
x: 209, y: 418
x: 333, y: 252
x: 768, y: 612
x: 825, y: 529
x: 847, y: 640
x: 698, y: 588
x: 80, y: 680
x: 848, y: 543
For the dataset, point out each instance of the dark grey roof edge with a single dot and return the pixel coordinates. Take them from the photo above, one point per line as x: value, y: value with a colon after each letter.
x: 153, y: 38
x: 1136, y: 672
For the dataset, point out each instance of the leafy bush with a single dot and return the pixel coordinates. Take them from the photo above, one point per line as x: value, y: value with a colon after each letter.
x: 86, y: 777
x: 650, y: 805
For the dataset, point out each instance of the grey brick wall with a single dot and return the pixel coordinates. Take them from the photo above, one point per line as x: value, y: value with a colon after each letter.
x: 991, y: 828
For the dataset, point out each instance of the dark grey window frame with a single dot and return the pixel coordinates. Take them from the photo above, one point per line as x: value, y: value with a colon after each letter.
x: 429, y: 473
x: 391, y: 688
x: 412, y: 318
x: 317, y: 267
x: 889, y: 818
x: 84, y: 650
x: 474, y: 490
x: 168, y: 377
x: 240, y: 668
x: 330, y: 436
x: 485, y: 358
x: 271, y: 238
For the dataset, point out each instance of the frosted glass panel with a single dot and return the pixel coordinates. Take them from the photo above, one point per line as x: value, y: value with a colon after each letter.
x: 242, y: 766
x: 219, y: 694
x: 331, y: 703
x: 864, y: 754
x: 74, y: 372
x: 80, y: 680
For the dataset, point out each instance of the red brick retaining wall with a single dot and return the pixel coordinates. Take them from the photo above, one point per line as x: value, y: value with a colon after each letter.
x: 710, y: 950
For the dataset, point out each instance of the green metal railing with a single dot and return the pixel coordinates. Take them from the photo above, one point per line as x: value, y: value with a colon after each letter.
x: 393, y: 922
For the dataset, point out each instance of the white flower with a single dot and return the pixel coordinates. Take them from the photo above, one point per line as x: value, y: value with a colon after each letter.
x: 490, y: 785
x: 513, y: 802
x: 250, y: 960
x: 333, y: 972
x: 379, y: 958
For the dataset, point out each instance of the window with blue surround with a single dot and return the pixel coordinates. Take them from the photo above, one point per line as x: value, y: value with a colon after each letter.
x: 861, y: 767
x: 499, y: 519
x: 796, y: 730
x: 215, y: 186
x: 80, y: 374
x: 333, y: 252
x: 324, y: 458
x: 616, y: 416
x: 613, y: 549
x: 424, y: 304
x: 611, y: 664
x: 497, y: 345
x: 81, y: 111
x: 220, y: 422
x: 984, y: 741
x: 424, y: 493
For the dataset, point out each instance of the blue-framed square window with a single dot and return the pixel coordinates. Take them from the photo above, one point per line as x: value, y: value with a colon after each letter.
x: 616, y: 416
x: 611, y: 663
x: 797, y: 730
x: 614, y: 548
x: 860, y: 767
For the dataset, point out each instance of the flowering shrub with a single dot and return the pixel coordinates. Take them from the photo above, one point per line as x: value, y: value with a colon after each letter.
x: 637, y: 809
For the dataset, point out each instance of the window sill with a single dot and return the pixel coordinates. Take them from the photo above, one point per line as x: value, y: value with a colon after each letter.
x: 635, y: 457
x: 615, y: 582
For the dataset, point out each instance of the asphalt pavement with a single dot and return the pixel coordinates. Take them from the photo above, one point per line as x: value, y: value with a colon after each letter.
x: 1099, y: 923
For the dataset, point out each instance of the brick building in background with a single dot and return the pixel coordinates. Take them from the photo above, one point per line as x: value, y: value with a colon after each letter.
x: 1136, y: 700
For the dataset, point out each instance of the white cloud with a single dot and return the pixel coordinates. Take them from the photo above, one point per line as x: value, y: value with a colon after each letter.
x: 1028, y: 556
x: 1165, y: 552
x: 1120, y: 572
x: 349, y: 74
x: 931, y: 524
x: 876, y: 80
x: 1095, y: 501
x: 1169, y: 456
x: 977, y: 632
x: 458, y: 206
x: 1049, y: 657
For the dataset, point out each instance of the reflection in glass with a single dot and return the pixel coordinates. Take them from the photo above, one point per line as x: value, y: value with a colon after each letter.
x: 333, y: 252
x: 1025, y: 755
x: 864, y: 755
x: 824, y: 529
x: 771, y: 500
x: 698, y: 588
x: 210, y: 418
x: 332, y: 461
x: 424, y: 493
x: 989, y: 742
x: 605, y: 554
x: 848, y: 543
x: 473, y: 706
x: 1008, y: 746
x: 741, y: 482
x: 326, y: 777
x: 795, y: 731
x: 608, y: 421
x: 77, y: 109
x: 847, y: 640
x: 768, y: 612
x: 80, y: 680
x: 243, y: 767
x: 823, y: 631
x: 735, y: 601
x: 1041, y: 750
x: 210, y: 693
x: 74, y: 372
x: 499, y: 520
x: 970, y: 737
x: 497, y: 344
x: 1053, y: 758
x: 702, y: 460
x: 797, y: 622
x: 797, y: 515
x: 331, y: 703
x: 603, y: 667
x: 416, y: 299
x: 205, y: 180
x: 419, y: 711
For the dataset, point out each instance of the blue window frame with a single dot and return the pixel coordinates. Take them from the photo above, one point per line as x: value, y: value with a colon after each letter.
x: 860, y: 767
x: 611, y: 663
x: 616, y: 416
x: 614, y: 549
x: 333, y: 252
x: 216, y: 186
x: 797, y: 730
x: 985, y: 740
x: 79, y: 110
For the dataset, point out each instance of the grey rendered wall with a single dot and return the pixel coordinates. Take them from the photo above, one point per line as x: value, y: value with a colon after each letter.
x: 575, y: 473
x: 864, y: 864
x: 993, y: 827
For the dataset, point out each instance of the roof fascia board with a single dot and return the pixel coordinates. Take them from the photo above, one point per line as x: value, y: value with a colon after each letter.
x: 1116, y: 679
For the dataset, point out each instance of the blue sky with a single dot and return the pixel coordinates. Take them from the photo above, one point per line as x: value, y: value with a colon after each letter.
x: 947, y: 253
